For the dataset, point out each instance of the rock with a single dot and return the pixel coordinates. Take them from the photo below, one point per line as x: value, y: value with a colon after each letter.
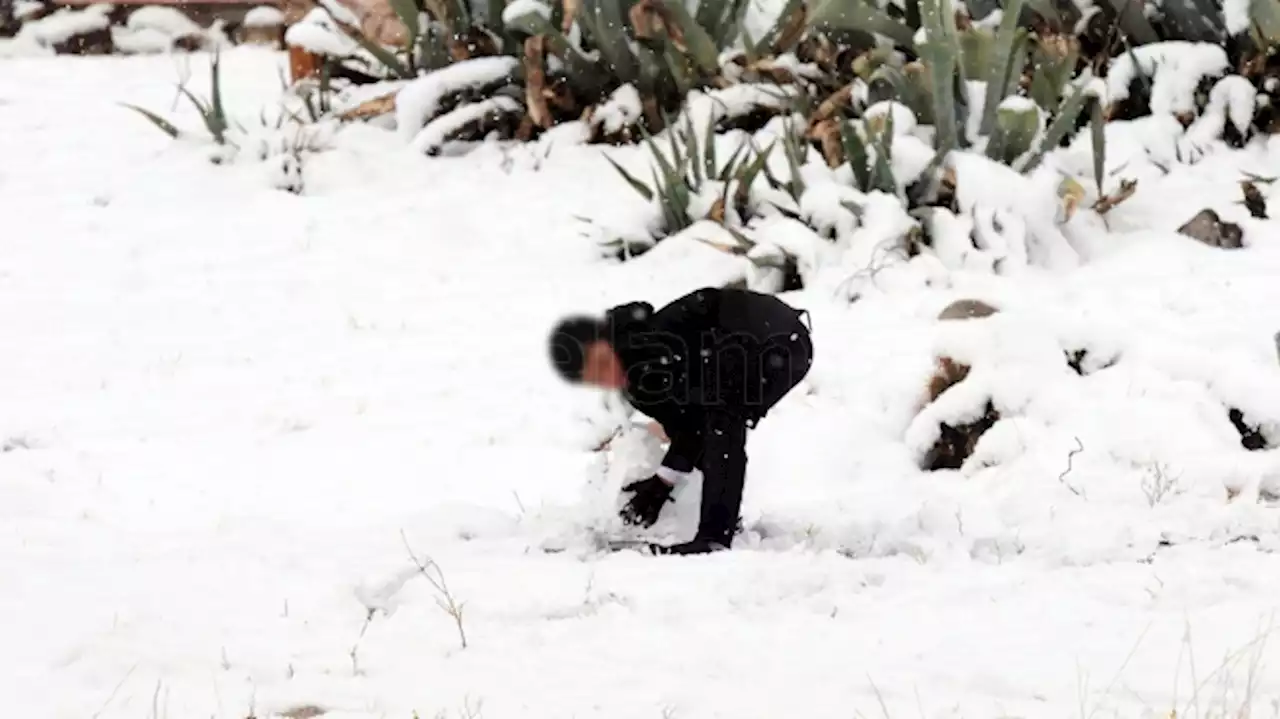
x: 1208, y: 228
x: 967, y: 309
x: 955, y: 444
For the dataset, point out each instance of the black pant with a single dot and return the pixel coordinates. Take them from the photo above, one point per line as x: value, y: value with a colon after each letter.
x: 781, y: 367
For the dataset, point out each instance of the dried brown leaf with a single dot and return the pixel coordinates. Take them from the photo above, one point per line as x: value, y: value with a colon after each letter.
x: 536, y: 80
x: 376, y: 107
x: 1108, y: 203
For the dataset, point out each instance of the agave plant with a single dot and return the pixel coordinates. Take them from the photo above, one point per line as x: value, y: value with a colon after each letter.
x: 690, y: 183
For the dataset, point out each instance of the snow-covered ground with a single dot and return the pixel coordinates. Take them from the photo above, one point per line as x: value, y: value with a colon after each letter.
x: 226, y: 409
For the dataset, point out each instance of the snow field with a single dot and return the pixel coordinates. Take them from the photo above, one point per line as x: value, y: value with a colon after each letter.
x: 224, y: 403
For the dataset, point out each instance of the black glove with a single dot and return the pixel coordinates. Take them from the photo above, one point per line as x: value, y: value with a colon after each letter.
x: 644, y: 507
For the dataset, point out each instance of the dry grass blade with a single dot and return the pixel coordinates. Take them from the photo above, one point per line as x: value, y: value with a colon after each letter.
x: 829, y: 108
x: 1072, y: 193
x: 644, y: 20
x: 793, y: 28
x: 717, y: 212
x: 828, y: 134
x: 446, y: 601
x: 376, y: 107
x: 570, y: 10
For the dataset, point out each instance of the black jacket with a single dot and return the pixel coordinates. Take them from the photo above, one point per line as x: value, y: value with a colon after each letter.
x: 706, y: 367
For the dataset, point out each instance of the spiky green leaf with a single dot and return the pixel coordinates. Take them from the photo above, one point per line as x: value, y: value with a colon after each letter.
x: 1265, y: 15
x: 727, y: 171
x: 709, y: 142
x: 795, y: 152
x: 164, y: 125
x: 1014, y: 131
x: 862, y: 16
x: 1004, y: 61
x: 407, y: 11
x: 747, y: 174
x: 855, y: 153
x: 702, y: 46
x: 939, y: 52
x: 766, y: 45
x: 636, y: 185
x: 882, y: 173
x: 1098, y: 126
x: 608, y: 29
x: 697, y: 162
x: 433, y: 53
x: 217, y: 113
x: 1062, y: 124
x: 393, y: 65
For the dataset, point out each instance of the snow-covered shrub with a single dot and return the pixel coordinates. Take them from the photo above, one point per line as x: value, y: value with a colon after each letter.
x: 63, y: 31
x: 465, y: 100
x: 154, y: 29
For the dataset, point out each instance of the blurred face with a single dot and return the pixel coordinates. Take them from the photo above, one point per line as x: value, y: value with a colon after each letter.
x: 603, y: 368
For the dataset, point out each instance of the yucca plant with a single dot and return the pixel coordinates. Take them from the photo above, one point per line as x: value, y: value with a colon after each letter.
x: 212, y: 113
x: 658, y: 47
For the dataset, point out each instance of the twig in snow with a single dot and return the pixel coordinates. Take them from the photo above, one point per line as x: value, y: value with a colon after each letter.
x: 446, y: 601
x: 882, y: 256
x: 355, y: 648
x: 879, y: 697
x: 1062, y: 478
x: 115, y: 691
x: 155, y: 702
x: 1157, y: 484
x: 1123, y: 665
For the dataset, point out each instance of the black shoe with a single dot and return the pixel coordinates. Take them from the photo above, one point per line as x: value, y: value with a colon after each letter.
x: 697, y: 546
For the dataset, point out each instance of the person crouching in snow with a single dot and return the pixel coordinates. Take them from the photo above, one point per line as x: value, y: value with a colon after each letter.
x: 706, y: 367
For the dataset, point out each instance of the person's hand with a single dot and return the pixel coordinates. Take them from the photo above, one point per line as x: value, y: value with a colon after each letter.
x: 646, y: 504
x: 656, y: 429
